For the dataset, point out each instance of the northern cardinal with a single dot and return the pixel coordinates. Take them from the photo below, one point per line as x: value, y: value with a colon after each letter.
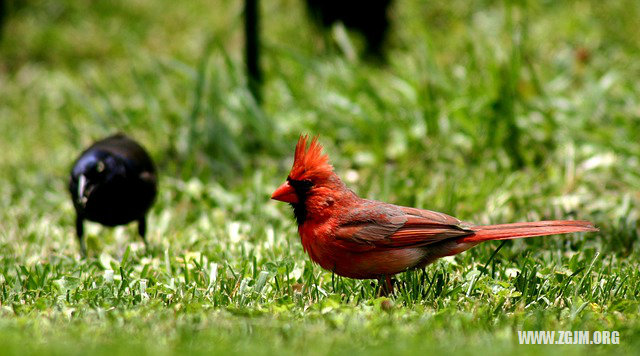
x: 368, y: 239
x: 113, y: 182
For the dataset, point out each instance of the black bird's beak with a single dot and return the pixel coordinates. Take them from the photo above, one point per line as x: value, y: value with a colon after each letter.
x: 82, y: 185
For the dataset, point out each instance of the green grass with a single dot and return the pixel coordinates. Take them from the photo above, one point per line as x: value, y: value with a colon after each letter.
x: 492, y: 112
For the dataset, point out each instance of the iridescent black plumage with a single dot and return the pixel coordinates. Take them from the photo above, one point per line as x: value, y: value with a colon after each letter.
x: 113, y: 182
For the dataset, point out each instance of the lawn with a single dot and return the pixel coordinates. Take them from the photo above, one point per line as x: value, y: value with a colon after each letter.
x: 493, y: 112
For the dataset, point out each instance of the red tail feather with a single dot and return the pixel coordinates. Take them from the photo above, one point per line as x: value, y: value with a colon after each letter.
x: 527, y: 229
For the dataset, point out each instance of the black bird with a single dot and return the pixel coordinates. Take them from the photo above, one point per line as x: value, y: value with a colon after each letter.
x: 369, y: 17
x: 113, y: 182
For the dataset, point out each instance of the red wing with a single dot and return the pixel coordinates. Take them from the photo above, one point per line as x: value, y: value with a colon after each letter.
x: 379, y: 225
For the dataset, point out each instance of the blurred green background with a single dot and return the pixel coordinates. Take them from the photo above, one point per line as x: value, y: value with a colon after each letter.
x: 490, y: 111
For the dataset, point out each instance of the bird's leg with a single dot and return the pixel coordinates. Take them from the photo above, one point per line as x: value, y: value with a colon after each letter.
x: 80, y: 234
x: 389, y: 284
x: 142, y: 230
x: 386, y: 286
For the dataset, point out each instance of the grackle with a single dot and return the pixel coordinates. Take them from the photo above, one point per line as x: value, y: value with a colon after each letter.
x: 369, y: 17
x: 113, y: 182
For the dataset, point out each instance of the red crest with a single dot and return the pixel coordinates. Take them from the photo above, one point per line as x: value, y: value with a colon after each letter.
x: 310, y: 163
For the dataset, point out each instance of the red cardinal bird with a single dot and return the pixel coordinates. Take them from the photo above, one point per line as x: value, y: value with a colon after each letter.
x: 360, y: 238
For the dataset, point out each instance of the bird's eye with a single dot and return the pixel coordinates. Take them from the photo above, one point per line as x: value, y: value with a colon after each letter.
x: 301, y: 185
x: 100, y: 167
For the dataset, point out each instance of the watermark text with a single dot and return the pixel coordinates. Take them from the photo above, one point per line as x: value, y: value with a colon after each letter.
x: 577, y: 337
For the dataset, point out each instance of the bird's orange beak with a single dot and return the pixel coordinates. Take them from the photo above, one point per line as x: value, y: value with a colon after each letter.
x: 285, y: 193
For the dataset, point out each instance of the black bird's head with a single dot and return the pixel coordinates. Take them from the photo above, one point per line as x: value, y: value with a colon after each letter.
x: 92, y: 169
